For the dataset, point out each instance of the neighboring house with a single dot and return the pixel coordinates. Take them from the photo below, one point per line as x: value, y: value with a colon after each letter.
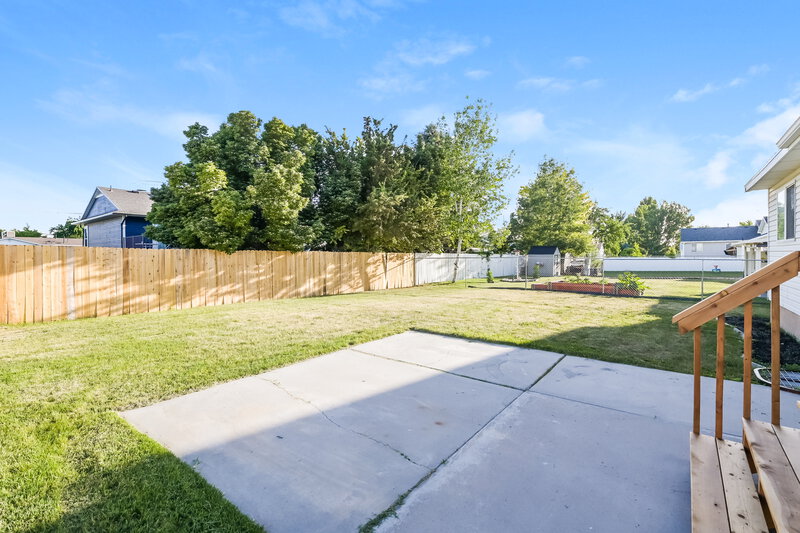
x: 547, y: 257
x: 9, y: 238
x: 712, y: 242
x: 115, y: 218
x: 753, y: 251
x: 779, y: 178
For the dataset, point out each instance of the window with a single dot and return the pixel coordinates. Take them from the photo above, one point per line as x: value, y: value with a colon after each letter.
x: 697, y: 246
x: 781, y: 214
x: 790, y: 211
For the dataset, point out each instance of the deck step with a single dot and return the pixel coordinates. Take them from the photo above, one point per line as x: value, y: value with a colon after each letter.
x: 724, y: 496
x: 776, y: 453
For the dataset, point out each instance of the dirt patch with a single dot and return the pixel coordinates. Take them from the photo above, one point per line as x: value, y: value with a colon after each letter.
x: 790, y: 347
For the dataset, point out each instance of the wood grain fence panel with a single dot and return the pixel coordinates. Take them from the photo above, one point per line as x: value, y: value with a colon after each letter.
x: 38, y: 284
x: 50, y: 283
x: 116, y: 264
x: 4, y: 277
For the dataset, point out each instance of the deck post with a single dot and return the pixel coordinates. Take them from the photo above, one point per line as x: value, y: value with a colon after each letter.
x: 775, y: 342
x: 748, y: 358
x: 720, y: 373
x: 697, y: 368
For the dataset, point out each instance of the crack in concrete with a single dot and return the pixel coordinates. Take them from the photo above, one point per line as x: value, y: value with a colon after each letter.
x: 387, y: 358
x: 338, y: 425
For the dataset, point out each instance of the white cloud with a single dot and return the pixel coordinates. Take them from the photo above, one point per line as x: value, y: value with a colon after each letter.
x: 576, y: 62
x: 420, y: 117
x: 397, y: 72
x: 476, y: 74
x: 522, y: 125
x: 686, y: 95
x: 88, y: 107
x: 715, y: 173
x: 381, y: 85
x: 432, y: 52
x: 731, y: 211
x: 200, y: 63
x: 546, y: 84
x: 766, y: 132
x: 330, y: 18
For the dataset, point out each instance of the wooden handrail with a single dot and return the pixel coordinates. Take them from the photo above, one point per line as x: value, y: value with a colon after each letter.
x: 739, y: 293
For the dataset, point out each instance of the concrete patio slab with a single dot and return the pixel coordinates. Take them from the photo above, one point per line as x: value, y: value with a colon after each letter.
x: 325, y: 444
x: 331, y: 442
x: 660, y: 394
x: 420, y: 412
x: 278, y: 459
x: 547, y: 464
x: 495, y: 363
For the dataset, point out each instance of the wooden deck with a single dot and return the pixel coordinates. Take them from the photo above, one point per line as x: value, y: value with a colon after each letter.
x: 753, y: 486
x: 725, y: 492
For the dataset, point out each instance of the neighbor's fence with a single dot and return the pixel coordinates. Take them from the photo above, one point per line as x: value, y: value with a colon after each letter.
x: 436, y: 268
x: 683, y: 277
x: 43, y: 283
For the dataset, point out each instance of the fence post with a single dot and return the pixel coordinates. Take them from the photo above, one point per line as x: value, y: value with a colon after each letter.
x: 702, y: 278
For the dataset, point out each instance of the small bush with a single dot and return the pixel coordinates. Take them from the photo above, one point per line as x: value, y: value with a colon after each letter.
x: 631, y: 281
x: 537, y: 271
x: 489, y: 276
x: 577, y: 279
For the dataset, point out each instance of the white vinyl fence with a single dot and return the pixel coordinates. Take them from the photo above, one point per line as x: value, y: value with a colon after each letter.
x: 673, y: 264
x: 435, y: 268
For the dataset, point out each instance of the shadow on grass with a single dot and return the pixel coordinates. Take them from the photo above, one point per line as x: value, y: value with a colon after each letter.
x: 128, y: 482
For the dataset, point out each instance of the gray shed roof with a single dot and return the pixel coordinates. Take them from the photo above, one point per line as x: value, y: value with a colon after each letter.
x: 728, y: 234
x: 543, y: 250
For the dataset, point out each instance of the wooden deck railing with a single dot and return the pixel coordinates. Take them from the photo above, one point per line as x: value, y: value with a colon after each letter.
x: 740, y: 293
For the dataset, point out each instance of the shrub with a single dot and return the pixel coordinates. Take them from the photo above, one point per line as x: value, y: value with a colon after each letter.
x: 537, y: 271
x: 577, y: 279
x: 489, y: 276
x: 631, y: 281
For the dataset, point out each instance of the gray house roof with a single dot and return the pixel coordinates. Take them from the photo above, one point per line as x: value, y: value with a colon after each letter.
x: 543, y: 250
x: 121, y: 202
x: 727, y: 234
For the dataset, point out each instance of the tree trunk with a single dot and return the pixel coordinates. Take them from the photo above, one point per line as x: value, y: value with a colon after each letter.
x: 460, y: 240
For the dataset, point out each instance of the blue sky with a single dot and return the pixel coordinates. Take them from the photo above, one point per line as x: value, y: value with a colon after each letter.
x: 682, y: 101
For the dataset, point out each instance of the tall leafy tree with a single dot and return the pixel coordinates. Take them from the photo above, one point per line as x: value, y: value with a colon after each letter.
x: 553, y: 210
x: 466, y: 176
x: 243, y: 186
x: 656, y: 228
x: 67, y: 230
x: 28, y: 231
x: 610, y: 230
x: 338, y: 189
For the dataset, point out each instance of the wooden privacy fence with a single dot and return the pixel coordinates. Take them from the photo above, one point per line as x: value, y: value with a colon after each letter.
x: 44, y: 283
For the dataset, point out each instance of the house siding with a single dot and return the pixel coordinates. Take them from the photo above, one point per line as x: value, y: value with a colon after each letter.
x: 105, y: 233
x: 790, y: 291
x: 710, y: 249
x: 100, y: 206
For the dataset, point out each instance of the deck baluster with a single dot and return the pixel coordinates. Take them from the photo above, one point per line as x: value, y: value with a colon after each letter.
x: 775, y: 341
x: 720, y: 372
x: 747, y: 363
x: 697, y: 371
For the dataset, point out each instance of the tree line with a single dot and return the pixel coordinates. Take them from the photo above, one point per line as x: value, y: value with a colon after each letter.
x: 269, y: 185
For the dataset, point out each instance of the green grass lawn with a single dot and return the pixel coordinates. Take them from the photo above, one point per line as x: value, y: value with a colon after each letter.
x: 68, y: 462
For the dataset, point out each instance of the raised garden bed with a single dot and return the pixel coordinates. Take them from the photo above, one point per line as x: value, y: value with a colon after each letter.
x: 611, y: 289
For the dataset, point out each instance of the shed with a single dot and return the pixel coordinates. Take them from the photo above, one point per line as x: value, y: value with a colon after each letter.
x: 549, y: 259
